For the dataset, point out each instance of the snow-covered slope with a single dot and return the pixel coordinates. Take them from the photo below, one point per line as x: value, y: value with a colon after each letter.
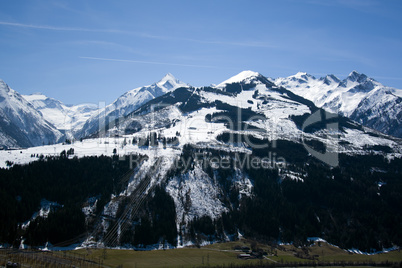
x: 21, y: 125
x: 246, y: 104
x: 244, y: 76
x: 263, y: 109
x: 66, y: 118
x: 127, y: 103
x: 358, y: 97
x: 189, y: 125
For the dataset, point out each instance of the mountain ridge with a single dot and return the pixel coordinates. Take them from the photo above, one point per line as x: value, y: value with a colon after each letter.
x: 127, y: 103
x: 66, y: 118
x: 21, y: 124
x: 358, y: 97
x: 213, y: 163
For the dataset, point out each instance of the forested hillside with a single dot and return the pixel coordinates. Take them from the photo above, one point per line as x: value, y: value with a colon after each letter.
x: 69, y: 182
x: 355, y: 205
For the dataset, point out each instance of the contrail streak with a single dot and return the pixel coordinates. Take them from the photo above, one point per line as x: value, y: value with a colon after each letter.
x: 71, y: 29
x: 140, y: 34
x: 150, y: 62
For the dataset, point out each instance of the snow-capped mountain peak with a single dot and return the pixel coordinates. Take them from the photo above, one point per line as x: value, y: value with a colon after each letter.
x: 299, y: 78
x: 360, y: 78
x: 356, y: 76
x: 357, y: 96
x: 3, y: 87
x: 169, y: 82
x: 64, y: 117
x: 163, y: 86
x: 21, y: 125
x: 357, y: 82
x: 38, y: 100
x: 130, y: 101
x: 240, y: 77
x: 302, y: 75
x: 168, y: 76
x: 35, y: 96
x: 330, y: 79
x: 183, y: 154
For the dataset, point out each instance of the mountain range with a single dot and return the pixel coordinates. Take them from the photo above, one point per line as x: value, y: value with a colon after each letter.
x: 127, y: 103
x: 66, y: 118
x: 179, y: 165
x: 21, y: 125
x: 357, y: 97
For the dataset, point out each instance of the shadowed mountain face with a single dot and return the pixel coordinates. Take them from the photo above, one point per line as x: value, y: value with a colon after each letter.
x: 21, y: 125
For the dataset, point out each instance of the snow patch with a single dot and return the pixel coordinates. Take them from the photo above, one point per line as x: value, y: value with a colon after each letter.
x: 195, y: 195
x: 45, y: 207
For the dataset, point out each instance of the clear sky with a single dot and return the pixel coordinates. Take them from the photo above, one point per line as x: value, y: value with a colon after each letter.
x: 94, y: 50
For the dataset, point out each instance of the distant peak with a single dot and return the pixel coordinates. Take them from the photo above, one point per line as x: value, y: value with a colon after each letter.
x: 359, y: 82
x: 299, y: 74
x: 170, y: 82
x: 168, y: 76
x: 240, y: 77
x: 245, y: 74
x: 248, y: 73
x: 4, y: 86
x: 355, y: 76
x: 354, y: 73
x: 302, y: 75
x: 35, y: 96
x: 36, y: 93
x: 2, y: 82
x: 330, y: 78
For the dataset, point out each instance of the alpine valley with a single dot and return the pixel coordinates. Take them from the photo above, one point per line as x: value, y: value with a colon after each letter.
x: 170, y: 165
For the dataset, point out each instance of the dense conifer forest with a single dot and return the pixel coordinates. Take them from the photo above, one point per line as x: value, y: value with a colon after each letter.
x: 354, y: 205
x: 69, y: 182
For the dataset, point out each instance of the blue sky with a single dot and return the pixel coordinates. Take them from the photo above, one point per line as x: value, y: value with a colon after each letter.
x: 92, y: 50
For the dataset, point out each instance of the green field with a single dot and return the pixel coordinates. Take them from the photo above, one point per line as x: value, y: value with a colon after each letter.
x: 185, y: 257
x: 220, y: 254
x: 224, y: 254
